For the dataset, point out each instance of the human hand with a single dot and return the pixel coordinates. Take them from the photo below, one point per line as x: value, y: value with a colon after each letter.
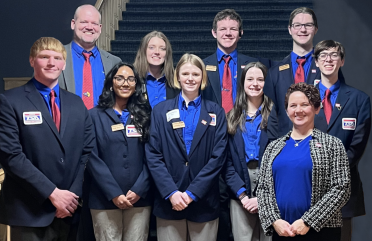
x: 122, y: 202
x: 283, y: 228
x: 177, y: 201
x: 66, y: 202
x: 132, y: 197
x: 251, y: 205
x: 299, y: 227
x: 186, y: 198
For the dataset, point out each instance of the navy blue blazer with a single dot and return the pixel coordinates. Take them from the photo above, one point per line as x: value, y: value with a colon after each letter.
x: 117, y: 163
x: 173, y: 169
x: 353, y: 104
x: 235, y: 172
x: 213, y: 90
x: 277, y: 83
x: 36, y: 158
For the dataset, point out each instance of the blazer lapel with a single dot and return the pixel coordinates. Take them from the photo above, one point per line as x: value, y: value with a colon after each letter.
x: 178, y: 131
x: 214, y: 77
x: 107, y: 63
x: 68, y: 73
x: 36, y: 99
x: 115, y: 120
x: 201, y: 128
x: 65, y: 111
x: 342, y: 99
x: 311, y: 76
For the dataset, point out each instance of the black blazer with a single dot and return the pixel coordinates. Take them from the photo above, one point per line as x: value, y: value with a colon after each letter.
x: 117, y: 163
x: 36, y: 158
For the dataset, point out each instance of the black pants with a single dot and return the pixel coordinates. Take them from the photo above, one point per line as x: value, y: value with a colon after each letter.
x: 325, y: 234
x: 58, y: 230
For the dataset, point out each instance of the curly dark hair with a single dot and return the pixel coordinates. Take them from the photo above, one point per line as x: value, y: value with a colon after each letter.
x: 137, y: 104
x: 310, y: 91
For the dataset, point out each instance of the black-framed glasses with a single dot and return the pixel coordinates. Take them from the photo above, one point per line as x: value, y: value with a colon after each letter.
x: 120, y: 80
x: 333, y: 56
x: 298, y: 26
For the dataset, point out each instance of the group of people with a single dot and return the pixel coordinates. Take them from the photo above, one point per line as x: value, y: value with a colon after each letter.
x: 272, y: 146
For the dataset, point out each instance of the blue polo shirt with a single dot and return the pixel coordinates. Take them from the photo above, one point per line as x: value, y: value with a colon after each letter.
x: 45, y: 93
x: 334, y: 91
x: 233, y: 64
x: 123, y: 116
x: 98, y: 73
x: 156, y: 89
x: 307, y: 65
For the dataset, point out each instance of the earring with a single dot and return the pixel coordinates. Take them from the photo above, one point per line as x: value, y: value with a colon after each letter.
x: 110, y: 88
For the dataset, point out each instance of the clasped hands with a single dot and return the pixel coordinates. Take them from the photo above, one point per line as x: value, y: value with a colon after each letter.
x: 126, y: 201
x: 283, y: 228
x: 250, y: 204
x: 180, y: 200
x: 64, y: 201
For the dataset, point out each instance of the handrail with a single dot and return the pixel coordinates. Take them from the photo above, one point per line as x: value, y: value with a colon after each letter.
x: 111, y: 13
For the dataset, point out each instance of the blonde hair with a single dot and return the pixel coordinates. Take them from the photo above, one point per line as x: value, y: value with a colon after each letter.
x: 194, y: 60
x: 47, y: 43
x: 141, y: 64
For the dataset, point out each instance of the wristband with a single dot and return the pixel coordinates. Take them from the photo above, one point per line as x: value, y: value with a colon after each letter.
x: 241, y: 198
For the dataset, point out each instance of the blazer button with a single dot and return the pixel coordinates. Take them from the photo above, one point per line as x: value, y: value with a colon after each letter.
x: 187, y: 163
x: 61, y: 159
x: 124, y: 156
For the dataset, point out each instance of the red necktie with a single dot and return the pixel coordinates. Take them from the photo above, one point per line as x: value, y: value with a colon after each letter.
x: 227, y: 99
x: 300, y: 73
x: 87, y: 82
x: 327, y: 105
x: 55, y: 110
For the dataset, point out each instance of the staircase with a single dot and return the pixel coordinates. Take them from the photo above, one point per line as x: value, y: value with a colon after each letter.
x: 188, y: 24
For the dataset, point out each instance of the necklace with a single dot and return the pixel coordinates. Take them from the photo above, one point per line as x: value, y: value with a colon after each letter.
x: 297, y: 143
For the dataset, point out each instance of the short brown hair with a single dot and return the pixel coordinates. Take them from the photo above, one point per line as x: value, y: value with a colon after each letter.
x: 310, y: 91
x: 230, y: 14
x: 303, y: 10
x: 194, y: 60
x: 47, y: 43
x: 328, y: 44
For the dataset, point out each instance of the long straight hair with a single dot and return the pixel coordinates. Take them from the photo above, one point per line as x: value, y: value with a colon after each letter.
x: 141, y: 64
x: 237, y: 115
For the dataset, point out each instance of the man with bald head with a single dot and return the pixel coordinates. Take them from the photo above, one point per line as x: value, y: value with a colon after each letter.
x: 86, y: 65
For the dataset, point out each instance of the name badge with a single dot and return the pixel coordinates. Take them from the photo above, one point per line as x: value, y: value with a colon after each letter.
x: 211, y: 68
x: 117, y: 127
x: 132, y: 131
x: 348, y: 123
x: 214, y: 119
x: 179, y: 124
x: 283, y: 67
x: 173, y: 114
x: 32, y: 118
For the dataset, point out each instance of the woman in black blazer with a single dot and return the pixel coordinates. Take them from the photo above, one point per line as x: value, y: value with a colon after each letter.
x: 119, y: 194
x: 247, y: 123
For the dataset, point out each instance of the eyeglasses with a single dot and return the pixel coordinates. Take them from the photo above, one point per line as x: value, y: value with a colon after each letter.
x: 120, y: 80
x: 333, y: 56
x: 298, y: 26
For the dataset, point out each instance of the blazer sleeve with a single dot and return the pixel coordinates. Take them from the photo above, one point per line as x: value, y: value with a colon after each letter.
x: 339, y: 191
x: 155, y: 159
x: 361, y: 133
x: 267, y: 206
x: 14, y: 161
x: 273, y: 125
x: 269, y: 87
x: 202, y: 183
x: 231, y: 177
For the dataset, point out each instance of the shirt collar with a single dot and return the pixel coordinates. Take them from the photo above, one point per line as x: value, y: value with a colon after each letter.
x: 294, y: 56
x: 182, y: 103
x: 258, y: 112
x: 78, y: 50
x: 44, y: 90
x: 220, y: 55
x: 334, y: 88
x: 152, y: 78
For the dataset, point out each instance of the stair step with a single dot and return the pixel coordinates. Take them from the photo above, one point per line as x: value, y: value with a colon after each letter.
x: 129, y: 56
x: 201, y: 34
x: 162, y: 25
x: 213, y: 1
x: 204, y: 15
x: 208, y: 45
x: 216, y: 6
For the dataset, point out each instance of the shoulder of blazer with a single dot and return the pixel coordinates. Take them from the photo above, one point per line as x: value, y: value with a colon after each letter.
x: 211, y: 59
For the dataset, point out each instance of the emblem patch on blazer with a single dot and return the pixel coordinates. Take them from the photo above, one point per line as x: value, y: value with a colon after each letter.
x: 316, y: 81
x: 132, y: 131
x: 283, y: 67
x: 214, y: 119
x: 348, y: 123
x: 211, y: 68
x: 32, y: 118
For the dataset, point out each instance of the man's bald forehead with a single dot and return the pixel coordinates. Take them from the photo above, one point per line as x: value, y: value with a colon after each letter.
x: 86, y: 7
